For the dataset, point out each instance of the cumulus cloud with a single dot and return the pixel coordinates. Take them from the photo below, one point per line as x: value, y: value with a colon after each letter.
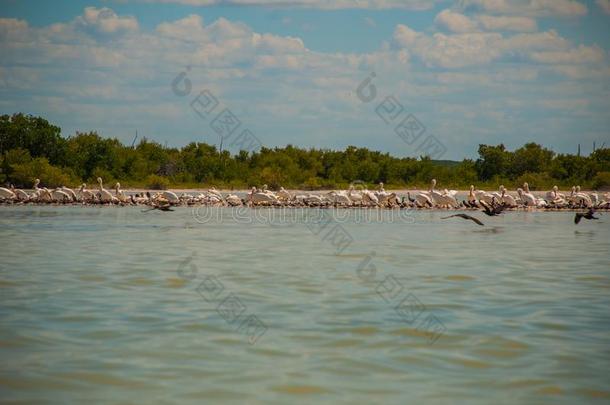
x: 476, y: 48
x: 455, y: 22
x: 581, y: 54
x: 321, y: 4
x: 532, y: 8
x: 504, y: 23
x: 106, y: 21
x: 459, y: 23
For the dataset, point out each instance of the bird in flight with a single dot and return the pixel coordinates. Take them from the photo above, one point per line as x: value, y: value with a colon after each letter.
x: 464, y: 216
x: 586, y: 215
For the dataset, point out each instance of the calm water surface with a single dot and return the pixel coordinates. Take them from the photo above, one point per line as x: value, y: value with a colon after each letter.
x: 116, y: 306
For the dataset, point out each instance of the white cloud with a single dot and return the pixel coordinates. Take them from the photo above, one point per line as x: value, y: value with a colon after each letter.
x: 467, y: 48
x: 455, y: 22
x: 582, y: 54
x: 604, y: 5
x: 532, y: 8
x: 321, y: 4
x: 459, y: 23
x: 106, y: 21
x: 503, y: 23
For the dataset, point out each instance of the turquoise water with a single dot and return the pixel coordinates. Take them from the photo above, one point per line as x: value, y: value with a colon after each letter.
x: 116, y: 306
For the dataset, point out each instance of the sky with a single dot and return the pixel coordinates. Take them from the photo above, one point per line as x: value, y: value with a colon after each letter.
x: 456, y: 73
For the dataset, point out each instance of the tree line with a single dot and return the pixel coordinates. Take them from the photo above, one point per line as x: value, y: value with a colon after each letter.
x: 31, y: 147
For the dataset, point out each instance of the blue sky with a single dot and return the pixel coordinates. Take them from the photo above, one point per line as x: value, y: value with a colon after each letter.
x: 471, y: 71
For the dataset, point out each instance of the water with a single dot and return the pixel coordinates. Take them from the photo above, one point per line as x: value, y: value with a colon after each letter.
x: 93, y: 308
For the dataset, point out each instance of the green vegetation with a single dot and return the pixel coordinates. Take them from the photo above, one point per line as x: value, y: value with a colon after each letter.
x: 31, y: 147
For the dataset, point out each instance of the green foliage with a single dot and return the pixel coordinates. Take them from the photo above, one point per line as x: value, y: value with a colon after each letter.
x: 155, y: 182
x: 601, y: 180
x: 31, y: 147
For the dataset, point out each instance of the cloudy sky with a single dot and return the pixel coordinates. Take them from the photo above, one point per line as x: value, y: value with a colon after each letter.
x: 470, y: 71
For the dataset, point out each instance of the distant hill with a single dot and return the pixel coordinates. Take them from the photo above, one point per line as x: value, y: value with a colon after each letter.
x: 446, y: 163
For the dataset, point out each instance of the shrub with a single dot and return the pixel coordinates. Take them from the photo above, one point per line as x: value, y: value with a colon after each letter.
x: 601, y: 181
x: 156, y: 182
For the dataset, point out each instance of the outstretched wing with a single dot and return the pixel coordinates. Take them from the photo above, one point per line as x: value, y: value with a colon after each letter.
x: 464, y: 216
x: 578, y: 217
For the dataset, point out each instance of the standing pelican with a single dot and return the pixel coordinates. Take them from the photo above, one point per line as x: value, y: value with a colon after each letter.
x: 120, y: 195
x: 104, y: 195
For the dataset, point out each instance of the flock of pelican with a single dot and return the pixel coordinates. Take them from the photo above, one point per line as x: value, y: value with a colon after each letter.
x: 352, y: 197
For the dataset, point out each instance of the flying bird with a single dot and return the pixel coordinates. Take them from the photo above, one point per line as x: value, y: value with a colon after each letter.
x: 586, y: 215
x: 464, y: 216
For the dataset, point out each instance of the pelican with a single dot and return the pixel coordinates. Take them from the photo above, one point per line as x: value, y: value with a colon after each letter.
x: 119, y: 194
x: 442, y: 199
x: 261, y: 196
x: 85, y: 195
x: 58, y: 195
x: 578, y: 198
x: 284, y: 195
x: 233, y: 200
x: 554, y: 194
x: 482, y: 195
x: 20, y: 194
x: 172, y: 197
x: 506, y: 198
x: 340, y: 198
x: 354, y: 195
x: 6, y: 194
x: 527, y: 198
x: 104, y: 195
x: 424, y: 198
x: 69, y: 191
x: 471, y: 200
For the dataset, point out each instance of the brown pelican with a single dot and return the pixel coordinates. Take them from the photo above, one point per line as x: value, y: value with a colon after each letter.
x: 464, y: 216
x: 586, y: 215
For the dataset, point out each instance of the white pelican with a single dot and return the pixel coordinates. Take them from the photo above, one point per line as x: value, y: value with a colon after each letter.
x: 7, y: 194
x: 284, y: 195
x: 261, y: 197
x: 84, y: 194
x: 104, y: 195
x: 554, y: 194
x: 69, y: 191
x: 424, y: 198
x: 506, y: 198
x: 119, y: 194
x: 171, y: 197
x: 215, y: 192
x: 339, y: 197
x: 576, y: 197
x: 482, y: 195
x: 20, y: 194
x: 58, y: 195
x: 354, y: 195
x: 527, y: 198
x: 233, y: 200
x: 441, y: 199
x: 369, y: 197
